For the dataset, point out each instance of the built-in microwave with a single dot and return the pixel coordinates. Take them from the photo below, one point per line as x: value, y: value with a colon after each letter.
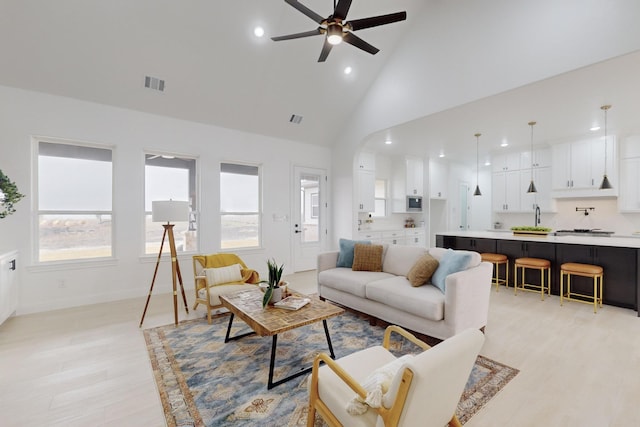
x: 414, y: 203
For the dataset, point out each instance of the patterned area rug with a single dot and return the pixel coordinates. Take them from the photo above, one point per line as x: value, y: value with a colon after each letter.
x: 204, y: 382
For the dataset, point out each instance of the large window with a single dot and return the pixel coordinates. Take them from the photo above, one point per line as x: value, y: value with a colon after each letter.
x: 170, y: 178
x: 74, y: 202
x: 240, y: 207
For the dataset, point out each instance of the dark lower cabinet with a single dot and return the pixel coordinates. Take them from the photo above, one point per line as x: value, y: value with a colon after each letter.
x: 620, y: 271
x: 621, y: 265
x: 475, y: 244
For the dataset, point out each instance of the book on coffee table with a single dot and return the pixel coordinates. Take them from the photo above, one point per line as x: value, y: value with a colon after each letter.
x: 292, y: 302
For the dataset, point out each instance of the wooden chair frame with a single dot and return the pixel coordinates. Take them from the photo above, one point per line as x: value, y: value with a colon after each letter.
x: 390, y: 416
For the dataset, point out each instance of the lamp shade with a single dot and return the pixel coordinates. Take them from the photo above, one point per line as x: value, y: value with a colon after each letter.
x: 169, y: 211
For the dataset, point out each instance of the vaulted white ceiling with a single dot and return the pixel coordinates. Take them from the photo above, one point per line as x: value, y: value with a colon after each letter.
x: 451, y: 69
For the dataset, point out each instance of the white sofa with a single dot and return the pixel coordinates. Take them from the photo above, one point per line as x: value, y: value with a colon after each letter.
x: 388, y: 295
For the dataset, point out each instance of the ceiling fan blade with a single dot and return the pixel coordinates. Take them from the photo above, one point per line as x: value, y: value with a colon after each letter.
x: 304, y: 9
x: 326, y: 48
x: 342, y: 9
x: 298, y: 35
x: 356, y: 41
x: 374, y: 21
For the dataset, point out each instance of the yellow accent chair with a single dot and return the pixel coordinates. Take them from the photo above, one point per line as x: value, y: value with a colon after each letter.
x: 208, y: 293
x: 424, y: 390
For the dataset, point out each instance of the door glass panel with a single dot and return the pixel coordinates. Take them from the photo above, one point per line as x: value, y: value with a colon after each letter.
x: 309, y: 207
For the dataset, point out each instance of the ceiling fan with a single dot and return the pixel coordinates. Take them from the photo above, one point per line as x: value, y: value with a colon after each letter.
x: 337, y: 30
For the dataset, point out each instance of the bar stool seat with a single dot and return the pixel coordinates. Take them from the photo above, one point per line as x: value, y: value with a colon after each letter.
x: 535, y: 264
x: 497, y: 260
x: 595, y: 272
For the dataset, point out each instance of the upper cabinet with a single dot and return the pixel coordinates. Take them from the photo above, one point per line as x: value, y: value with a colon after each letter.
x: 366, y: 181
x: 578, y: 168
x: 415, y: 176
x: 367, y: 161
x: 541, y: 158
x: 629, y: 200
x: 438, y: 179
x: 506, y: 162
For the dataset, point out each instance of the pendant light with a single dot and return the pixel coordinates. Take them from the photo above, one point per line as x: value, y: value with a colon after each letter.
x: 532, y: 186
x: 477, y: 192
x: 605, y: 180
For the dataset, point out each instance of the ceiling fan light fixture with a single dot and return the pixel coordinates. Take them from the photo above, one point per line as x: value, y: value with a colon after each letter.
x: 334, y: 34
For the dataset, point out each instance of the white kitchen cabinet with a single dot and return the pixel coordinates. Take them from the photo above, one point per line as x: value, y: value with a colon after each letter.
x: 578, y: 168
x: 8, y: 285
x: 373, y: 236
x: 506, y: 162
x: 629, y: 200
x: 438, y: 180
x: 505, y: 194
x: 541, y: 158
x: 394, y: 237
x: 367, y: 161
x: 542, y: 198
x: 415, y: 237
x: 366, y: 190
x: 415, y: 176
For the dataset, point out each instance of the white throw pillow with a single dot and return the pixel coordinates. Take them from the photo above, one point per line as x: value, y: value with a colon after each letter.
x: 218, y: 276
x: 376, y: 385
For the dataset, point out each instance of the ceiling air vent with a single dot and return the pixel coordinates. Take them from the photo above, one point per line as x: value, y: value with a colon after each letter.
x: 154, y: 83
x: 295, y: 119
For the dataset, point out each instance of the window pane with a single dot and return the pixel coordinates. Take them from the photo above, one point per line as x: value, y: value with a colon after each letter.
x: 239, y: 188
x: 240, y: 231
x: 380, y: 208
x: 170, y: 178
x: 73, y: 184
x: 185, y: 240
x: 380, y: 191
x: 67, y: 237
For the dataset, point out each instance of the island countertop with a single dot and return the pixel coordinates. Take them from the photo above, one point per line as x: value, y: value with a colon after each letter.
x: 625, y: 241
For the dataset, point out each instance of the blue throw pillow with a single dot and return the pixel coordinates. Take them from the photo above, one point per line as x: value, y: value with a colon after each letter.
x: 345, y: 257
x: 451, y: 262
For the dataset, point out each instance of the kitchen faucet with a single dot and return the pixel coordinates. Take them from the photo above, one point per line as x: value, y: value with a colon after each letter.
x: 536, y: 219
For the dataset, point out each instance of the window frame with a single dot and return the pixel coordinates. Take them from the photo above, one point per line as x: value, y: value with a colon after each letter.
x: 259, y: 213
x: 37, y: 212
x: 193, y: 213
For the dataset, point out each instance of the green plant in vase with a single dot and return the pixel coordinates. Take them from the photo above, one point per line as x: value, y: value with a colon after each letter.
x: 9, y: 195
x: 275, y: 274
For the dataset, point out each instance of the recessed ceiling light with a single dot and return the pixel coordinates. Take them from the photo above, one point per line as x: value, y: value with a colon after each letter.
x: 441, y: 155
x: 348, y: 70
x: 388, y: 142
x: 594, y: 128
x: 258, y: 31
x: 487, y: 163
x: 504, y: 144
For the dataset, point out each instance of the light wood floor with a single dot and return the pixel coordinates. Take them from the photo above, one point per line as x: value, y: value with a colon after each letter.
x: 88, y: 366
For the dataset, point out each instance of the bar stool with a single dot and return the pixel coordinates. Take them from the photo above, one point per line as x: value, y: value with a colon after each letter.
x: 535, y: 264
x: 585, y: 270
x: 497, y: 260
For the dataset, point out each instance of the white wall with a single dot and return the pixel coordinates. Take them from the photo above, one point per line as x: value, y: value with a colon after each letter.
x: 24, y: 114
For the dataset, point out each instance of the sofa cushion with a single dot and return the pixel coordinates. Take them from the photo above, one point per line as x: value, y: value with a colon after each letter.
x: 474, y: 261
x: 345, y: 257
x: 347, y: 280
x: 367, y: 257
x: 422, y: 270
x: 451, y: 262
x: 425, y: 301
x: 399, y: 259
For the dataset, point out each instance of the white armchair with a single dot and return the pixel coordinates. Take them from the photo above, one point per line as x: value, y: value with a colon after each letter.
x: 424, y: 392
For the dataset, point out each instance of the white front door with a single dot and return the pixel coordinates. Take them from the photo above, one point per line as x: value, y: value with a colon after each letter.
x: 309, y: 210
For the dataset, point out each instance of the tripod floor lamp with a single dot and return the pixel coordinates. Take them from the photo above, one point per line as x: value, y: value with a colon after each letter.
x: 169, y: 211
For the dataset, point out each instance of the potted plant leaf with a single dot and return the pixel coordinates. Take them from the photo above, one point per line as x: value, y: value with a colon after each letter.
x: 9, y: 195
x: 272, y: 292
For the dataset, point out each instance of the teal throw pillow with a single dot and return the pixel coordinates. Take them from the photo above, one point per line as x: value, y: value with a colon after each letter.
x: 345, y: 257
x: 451, y: 262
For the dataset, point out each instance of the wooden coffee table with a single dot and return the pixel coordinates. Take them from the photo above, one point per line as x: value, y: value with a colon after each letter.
x: 271, y: 321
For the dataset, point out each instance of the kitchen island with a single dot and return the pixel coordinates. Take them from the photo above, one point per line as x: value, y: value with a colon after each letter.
x: 618, y: 256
